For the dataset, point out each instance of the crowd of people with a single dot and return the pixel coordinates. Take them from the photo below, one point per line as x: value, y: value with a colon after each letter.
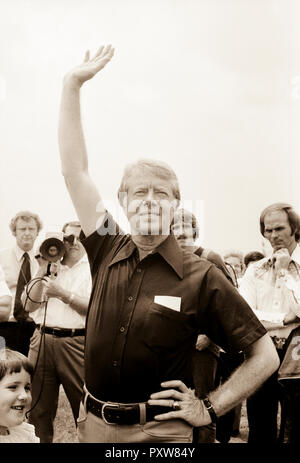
x: 153, y: 338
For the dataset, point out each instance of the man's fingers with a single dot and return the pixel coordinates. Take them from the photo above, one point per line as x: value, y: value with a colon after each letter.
x: 170, y: 394
x: 86, y: 56
x: 168, y: 416
x: 99, y: 52
x: 176, y: 383
x: 103, y: 51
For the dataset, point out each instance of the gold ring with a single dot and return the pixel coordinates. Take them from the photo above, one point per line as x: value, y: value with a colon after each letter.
x: 176, y: 405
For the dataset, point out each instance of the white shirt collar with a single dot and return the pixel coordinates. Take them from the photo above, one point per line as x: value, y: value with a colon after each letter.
x: 83, y: 260
x: 296, y: 254
x: 20, y: 252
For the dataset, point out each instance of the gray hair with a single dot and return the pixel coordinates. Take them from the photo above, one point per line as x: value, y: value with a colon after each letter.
x: 158, y: 168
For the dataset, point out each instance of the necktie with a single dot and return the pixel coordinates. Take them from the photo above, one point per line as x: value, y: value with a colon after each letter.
x: 23, y: 279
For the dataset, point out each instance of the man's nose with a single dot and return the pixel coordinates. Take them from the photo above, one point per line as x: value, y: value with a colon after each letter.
x: 274, y: 234
x: 149, y: 196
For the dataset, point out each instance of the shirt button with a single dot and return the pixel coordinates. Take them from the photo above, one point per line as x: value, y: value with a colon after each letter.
x: 122, y: 329
x: 130, y: 298
x: 115, y: 363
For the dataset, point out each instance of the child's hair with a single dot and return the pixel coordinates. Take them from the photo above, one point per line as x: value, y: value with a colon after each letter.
x: 12, y: 361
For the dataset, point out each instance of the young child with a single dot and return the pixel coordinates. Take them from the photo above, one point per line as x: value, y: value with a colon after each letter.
x: 15, y: 397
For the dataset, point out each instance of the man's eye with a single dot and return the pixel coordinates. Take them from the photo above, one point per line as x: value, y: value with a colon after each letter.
x: 162, y: 193
x: 12, y: 387
x: 28, y: 388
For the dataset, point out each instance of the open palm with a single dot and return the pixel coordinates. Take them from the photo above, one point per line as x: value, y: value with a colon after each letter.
x: 91, y: 66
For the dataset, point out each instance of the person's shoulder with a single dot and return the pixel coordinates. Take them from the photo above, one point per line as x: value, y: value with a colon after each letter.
x: 215, y: 258
x: 23, y: 433
x: 29, y: 429
x: 192, y: 258
x: 256, y: 269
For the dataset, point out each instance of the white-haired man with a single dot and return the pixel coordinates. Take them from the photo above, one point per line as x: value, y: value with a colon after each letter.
x: 146, y: 309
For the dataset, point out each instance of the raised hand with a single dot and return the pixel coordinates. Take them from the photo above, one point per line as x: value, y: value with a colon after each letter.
x: 91, y: 66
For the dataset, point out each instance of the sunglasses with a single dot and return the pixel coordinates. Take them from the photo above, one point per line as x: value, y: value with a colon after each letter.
x: 70, y: 239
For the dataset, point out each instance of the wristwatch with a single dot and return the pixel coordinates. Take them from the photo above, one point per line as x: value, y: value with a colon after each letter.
x: 210, y: 409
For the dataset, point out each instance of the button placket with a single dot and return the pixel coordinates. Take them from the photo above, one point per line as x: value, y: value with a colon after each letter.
x: 127, y: 310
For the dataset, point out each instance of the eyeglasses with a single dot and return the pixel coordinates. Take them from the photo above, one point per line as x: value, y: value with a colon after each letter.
x: 71, y: 239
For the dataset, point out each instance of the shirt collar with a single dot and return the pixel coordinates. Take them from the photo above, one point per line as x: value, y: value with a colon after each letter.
x: 83, y: 260
x: 20, y: 253
x: 125, y: 252
x: 296, y: 254
x: 168, y: 249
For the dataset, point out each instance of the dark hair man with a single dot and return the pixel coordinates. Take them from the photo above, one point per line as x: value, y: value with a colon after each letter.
x: 19, y: 264
x: 60, y: 319
x: 270, y: 286
x: 149, y: 301
x: 253, y: 256
x: 185, y: 227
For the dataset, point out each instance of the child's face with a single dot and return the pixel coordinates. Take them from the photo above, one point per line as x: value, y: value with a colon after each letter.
x: 15, y: 398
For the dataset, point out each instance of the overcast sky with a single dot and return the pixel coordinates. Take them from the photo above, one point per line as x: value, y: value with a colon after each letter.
x: 210, y: 87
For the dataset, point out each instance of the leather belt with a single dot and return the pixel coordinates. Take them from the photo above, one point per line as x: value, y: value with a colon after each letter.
x: 61, y: 332
x: 114, y: 413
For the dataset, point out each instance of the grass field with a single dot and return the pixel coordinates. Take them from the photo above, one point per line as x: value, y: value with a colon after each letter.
x: 65, y: 431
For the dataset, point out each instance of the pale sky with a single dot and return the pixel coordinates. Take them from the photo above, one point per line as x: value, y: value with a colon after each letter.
x: 210, y: 87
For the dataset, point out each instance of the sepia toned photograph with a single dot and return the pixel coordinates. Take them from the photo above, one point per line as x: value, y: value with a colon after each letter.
x: 150, y: 223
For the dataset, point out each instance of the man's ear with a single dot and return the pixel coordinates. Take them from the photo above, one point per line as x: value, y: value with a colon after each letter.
x: 123, y: 199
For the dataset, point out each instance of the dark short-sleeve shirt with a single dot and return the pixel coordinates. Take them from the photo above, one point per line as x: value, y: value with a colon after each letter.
x: 216, y: 259
x: 144, y: 316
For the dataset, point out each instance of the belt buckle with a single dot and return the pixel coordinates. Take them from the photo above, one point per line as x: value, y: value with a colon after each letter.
x: 108, y: 404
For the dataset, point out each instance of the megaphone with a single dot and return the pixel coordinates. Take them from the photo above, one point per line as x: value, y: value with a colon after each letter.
x: 52, y: 248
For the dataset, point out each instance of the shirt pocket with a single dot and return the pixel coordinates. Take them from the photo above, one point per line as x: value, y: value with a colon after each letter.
x: 166, y: 328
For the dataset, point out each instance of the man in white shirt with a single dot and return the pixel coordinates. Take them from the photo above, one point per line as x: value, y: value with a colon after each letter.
x: 60, y: 324
x: 19, y: 264
x: 271, y: 287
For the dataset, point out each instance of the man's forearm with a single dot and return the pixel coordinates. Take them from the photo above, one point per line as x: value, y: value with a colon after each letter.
x: 259, y: 364
x: 77, y: 303
x: 70, y: 134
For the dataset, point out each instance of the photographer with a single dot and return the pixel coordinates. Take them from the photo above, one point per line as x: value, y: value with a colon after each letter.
x: 58, y: 304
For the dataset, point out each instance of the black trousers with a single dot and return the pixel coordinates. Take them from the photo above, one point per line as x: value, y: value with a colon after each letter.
x: 262, y: 409
x: 16, y: 335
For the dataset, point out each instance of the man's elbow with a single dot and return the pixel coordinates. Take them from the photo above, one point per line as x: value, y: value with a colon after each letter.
x: 265, y: 354
x: 273, y: 361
